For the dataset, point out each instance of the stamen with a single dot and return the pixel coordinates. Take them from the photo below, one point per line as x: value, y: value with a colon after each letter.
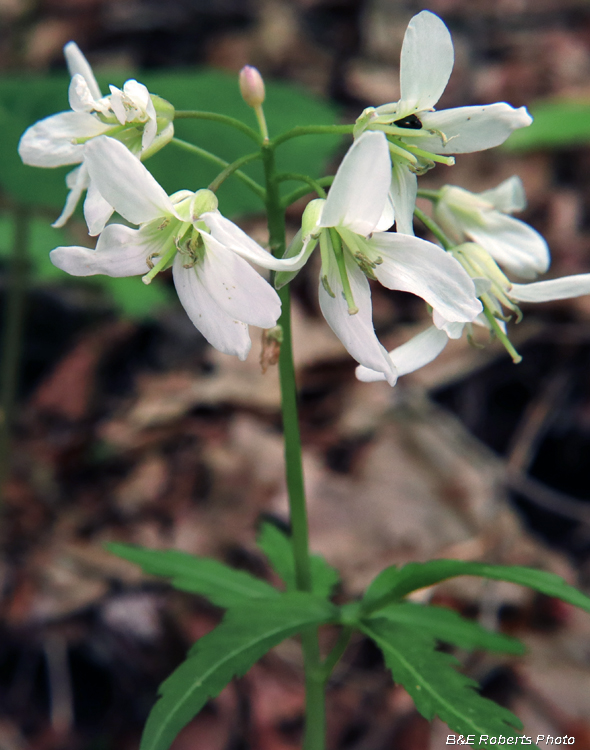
x: 448, y: 160
x: 355, y: 244
x: 395, y: 130
x: 339, y: 255
x: 516, y: 358
x: 401, y: 152
x: 327, y: 287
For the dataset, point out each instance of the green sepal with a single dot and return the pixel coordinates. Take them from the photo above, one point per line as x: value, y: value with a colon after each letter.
x: 278, y: 548
x: 220, y: 584
x: 246, y: 633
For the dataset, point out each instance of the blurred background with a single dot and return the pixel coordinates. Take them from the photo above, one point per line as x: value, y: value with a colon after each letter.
x: 121, y: 423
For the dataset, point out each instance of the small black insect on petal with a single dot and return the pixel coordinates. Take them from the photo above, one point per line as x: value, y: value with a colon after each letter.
x: 410, y: 121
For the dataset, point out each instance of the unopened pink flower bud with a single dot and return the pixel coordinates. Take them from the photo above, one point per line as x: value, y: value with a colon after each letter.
x: 251, y: 86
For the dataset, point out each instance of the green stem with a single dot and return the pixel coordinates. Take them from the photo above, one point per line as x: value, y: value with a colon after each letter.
x: 252, y: 184
x: 293, y: 460
x: 315, y: 693
x: 191, y: 114
x: 261, y: 119
x: 431, y: 195
x: 315, y: 725
x: 434, y: 228
x: 13, y: 336
x: 313, y: 184
x: 312, y: 130
x: 338, y: 651
x: 300, y: 192
x: 231, y: 169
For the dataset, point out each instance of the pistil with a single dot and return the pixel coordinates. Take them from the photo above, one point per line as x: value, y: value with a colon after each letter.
x: 160, y: 265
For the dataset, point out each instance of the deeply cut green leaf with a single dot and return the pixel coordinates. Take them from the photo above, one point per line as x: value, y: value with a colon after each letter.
x: 220, y: 584
x: 394, y: 583
x: 245, y: 635
x: 435, y: 686
x: 448, y: 626
x: 277, y: 547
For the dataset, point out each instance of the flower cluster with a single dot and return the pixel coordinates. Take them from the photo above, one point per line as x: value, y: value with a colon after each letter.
x: 140, y: 120
x: 464, y: 282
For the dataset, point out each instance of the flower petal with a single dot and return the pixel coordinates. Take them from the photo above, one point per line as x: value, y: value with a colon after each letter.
x: 553, y: 289
x: 298, y: 247
x: 414, y: 354
x: 230, y: 235
x: 426, y: 63
x: 222, y: 331
x: 97, y: 211
x: 79, y: 95
x: 236, y: 287
x: 78, y: 64
x: 387, y: 217
x: 355, y: 331
x: 150, y: 129
x: 422, y: 268
x: 120, y: 251
x: 77, y: 180
x: 51, y: 142
x: 124, y: 182
x: 404, y: 187
x: 513, y: 244
x: 507, y: 197
x: 452, y: 330
x: 116, y: 100
x: 468, y: 129
x: 358, y: 194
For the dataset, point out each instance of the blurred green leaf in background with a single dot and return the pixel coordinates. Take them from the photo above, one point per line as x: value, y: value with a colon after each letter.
x: 27, y: 99
x: 560, y: 123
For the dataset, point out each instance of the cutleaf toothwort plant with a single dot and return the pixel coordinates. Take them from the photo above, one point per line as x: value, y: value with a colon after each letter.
x: 465, y: 278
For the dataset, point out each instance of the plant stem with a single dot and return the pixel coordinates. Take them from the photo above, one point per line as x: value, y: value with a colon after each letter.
x: 231, y: 169
x: 315, y: 712
x: 434, y: 228
x: 300, y: 192
x: 252, y: 184
x: 261, y: 119
x: 338, y: 651
x: 312, y: 130
x: 293, y: 461
x: 191, y: 114
x: 313, y: 184
x: 431, y: 195
x: 12, y: 336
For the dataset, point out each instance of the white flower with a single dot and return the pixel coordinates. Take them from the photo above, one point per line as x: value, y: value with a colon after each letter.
x: 353, y: 248
x: 481, y: 217
x: 143, y: 122
x: 414, y: 354
x: 418, y: 135
x: 221, y: 293
x: 497, y: 292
